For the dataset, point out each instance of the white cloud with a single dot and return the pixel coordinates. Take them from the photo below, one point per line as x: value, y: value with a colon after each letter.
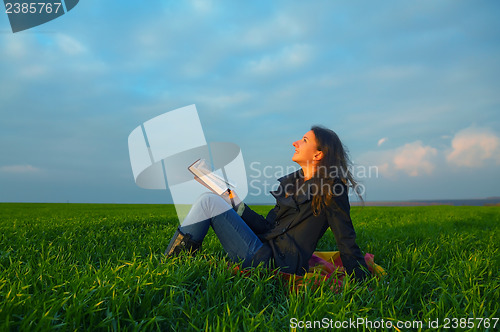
x: 472, y: 146
x: 413, y: 159
x: 19, y: 169
x: 382, y: 141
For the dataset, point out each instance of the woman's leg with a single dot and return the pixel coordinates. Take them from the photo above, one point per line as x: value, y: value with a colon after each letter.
x: 190, y: 234
x: 237, y: 239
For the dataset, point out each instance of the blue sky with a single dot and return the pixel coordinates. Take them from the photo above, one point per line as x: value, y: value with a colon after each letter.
x: 412, y: 88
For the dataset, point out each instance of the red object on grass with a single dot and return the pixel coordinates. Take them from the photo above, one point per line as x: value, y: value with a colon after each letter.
x: 324, y: 267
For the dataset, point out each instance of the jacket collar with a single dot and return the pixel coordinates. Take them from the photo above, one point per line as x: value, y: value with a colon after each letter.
x: 289, y: 178
x: 286, y: 191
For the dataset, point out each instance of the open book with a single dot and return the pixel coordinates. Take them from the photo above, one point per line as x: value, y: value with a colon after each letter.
x: 204, y: 174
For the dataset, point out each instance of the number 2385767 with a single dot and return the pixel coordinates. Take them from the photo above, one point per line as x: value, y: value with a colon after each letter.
x: 32, y: 7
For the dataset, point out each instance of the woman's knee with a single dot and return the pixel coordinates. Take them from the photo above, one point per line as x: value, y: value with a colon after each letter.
x: 207, y: 198
x: 212, y: 202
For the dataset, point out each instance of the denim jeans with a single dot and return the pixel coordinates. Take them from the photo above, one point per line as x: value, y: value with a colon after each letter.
x: 236, y: 237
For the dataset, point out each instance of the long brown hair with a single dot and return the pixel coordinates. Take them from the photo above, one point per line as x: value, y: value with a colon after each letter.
x: 335, y: 163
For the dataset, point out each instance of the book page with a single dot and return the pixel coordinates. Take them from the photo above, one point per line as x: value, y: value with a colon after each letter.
x: 201, y: 169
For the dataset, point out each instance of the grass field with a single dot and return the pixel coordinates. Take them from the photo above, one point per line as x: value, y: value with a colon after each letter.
x: 100, y: 267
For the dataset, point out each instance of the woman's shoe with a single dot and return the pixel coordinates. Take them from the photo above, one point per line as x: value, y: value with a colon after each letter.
x: 181, y: 242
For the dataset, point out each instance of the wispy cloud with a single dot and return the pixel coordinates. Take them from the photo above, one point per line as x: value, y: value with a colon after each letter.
x: 224, y: 101
x: 69, y: 45
x: 275, y: 29
x: 202, y: 6
x: 19, y: 169
x: 288, y: 58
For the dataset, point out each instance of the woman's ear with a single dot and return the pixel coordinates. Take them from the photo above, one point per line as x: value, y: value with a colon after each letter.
x: 318, y: 156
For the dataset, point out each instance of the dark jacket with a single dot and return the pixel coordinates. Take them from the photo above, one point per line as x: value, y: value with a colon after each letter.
x: 290, y: 232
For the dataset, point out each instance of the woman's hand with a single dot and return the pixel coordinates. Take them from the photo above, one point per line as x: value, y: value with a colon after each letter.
x: 231, y: 198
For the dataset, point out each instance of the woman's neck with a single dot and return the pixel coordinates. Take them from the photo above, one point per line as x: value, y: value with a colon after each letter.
x: 308, y: 172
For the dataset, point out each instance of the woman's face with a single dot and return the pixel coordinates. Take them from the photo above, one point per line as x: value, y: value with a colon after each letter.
x: 306, y: 151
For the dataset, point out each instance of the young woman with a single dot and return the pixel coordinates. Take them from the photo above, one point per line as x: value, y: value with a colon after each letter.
x: 308, y: 202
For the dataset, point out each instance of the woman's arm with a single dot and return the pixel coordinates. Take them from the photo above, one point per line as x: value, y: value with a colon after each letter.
x: 255, y: 221
x: 339, y: 220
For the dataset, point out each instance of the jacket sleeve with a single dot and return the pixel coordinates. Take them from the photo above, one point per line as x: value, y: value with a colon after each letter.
x: 340, y: 222
x: 256, y: 222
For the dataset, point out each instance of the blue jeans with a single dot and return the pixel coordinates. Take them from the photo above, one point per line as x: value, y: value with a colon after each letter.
x: 237, y: 239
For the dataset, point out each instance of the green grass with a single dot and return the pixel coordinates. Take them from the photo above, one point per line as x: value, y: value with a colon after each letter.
x: 100, y: 267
